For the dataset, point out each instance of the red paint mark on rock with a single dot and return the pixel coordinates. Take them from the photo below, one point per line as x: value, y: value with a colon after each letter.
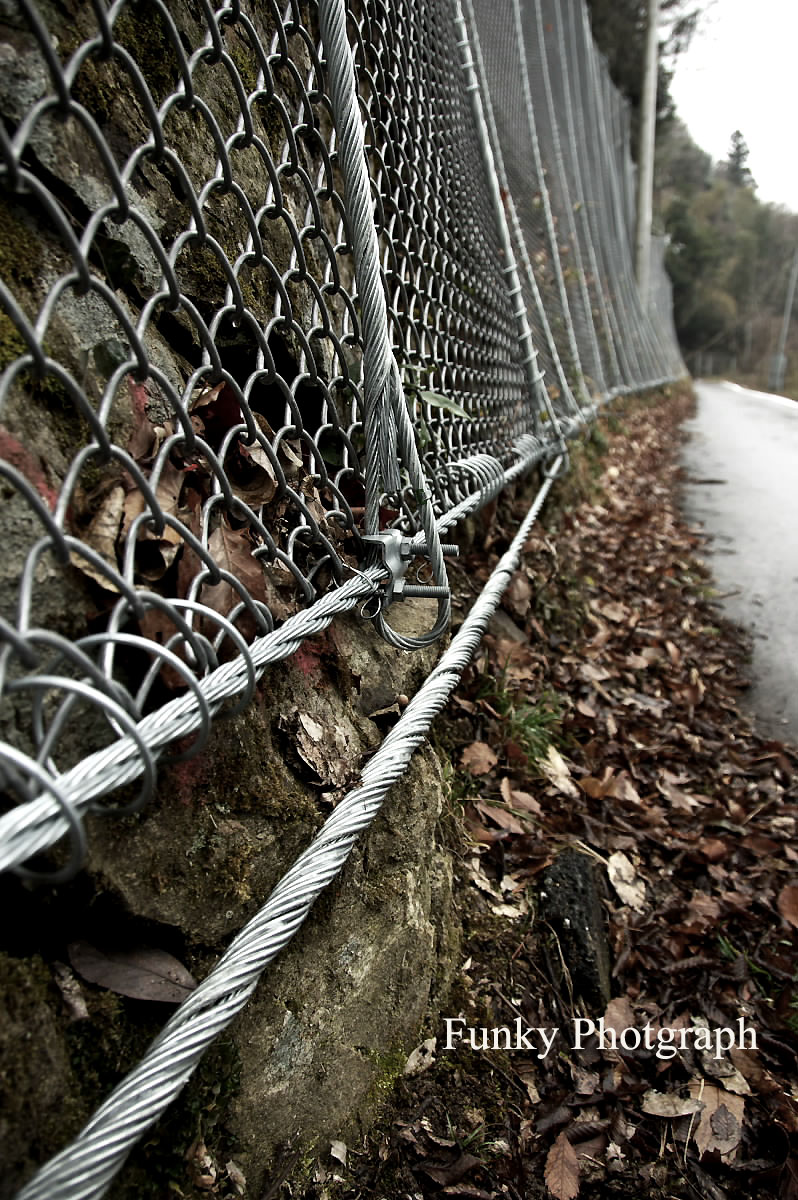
x: 12, y: 450
x: 188, y: 777
x: 138, y: 396
x: 308, y: 657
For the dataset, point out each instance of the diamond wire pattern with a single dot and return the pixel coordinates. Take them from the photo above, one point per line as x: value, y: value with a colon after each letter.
x: 527, y: 179
x: 180, y: 405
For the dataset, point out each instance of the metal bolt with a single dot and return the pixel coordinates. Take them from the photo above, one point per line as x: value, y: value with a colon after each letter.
x: 419, y: 590
x: 446, y: 548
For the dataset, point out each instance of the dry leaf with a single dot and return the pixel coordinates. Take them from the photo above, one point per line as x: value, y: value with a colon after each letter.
x: 142, y: 434
x: 630, y: 888
x: 231, y: 549
x: 338, y: 1150
x: 720, y: 1126
x: 519, y: 800
x: 562, y: 1169
x: 669, y: 1105
x: 703, y: 911
x: 622, y: 788
x: 202, y: 1168
x: 422, y: 1058
x: 617, y: 613
x: 101, y: 536
x: 597, y: 789
x: 219, y: 411
x: 323, y: 748
x: 453, y: 1172
x: 528, y: 1077
x: 500, y: 817
x: 555, y: 768
x: 236, y: 1176
x: 143, y: 974
x: 252, y: 475
x: 518, y: 594
x: 71, y: 992
x: 787, y: 904
x: 619, y: 1015
x: 511, y: 912
x: 168, y: 488
x: 585, y: 1082
x: 724, y: 1124
x: 478, y: 877
x: 478, y: 758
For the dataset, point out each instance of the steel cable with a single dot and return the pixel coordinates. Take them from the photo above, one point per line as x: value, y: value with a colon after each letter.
x: 38, y: 824
x: 84, y: 1169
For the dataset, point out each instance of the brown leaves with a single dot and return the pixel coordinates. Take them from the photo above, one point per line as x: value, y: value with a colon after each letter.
x: 231, y: 549
x: 696, y: 820
x: 101, y: 535
x: 624, y: 878
x: 669, y: 1105
x: 143, y: 974
x: 555, y: 768
x: 562, y: 1169
x: 720, y: 1126
x: 787, y: 904
x: 478, y: 758
x: 518, y: 594
x: 177, y: 459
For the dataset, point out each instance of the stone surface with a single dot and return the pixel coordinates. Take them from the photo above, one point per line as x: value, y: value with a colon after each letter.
x: 331, y: 1023
x: 334, y: 1017
x: 572, y: 905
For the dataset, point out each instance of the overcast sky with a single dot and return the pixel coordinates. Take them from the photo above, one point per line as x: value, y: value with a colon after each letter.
x: 741, y: 72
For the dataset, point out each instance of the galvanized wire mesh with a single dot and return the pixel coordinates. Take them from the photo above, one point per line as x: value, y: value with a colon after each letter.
x: 191, y: 455
x: 184, y: 463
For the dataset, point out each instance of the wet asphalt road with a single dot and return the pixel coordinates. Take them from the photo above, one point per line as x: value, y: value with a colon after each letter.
x: 742, y: 487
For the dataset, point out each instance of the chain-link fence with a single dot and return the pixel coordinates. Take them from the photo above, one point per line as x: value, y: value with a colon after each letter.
x: 183, y: 396
x: 272, y: 320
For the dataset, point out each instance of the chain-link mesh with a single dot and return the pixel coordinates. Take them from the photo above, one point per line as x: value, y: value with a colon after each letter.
x: 231, y: 356
x: 184, y: 463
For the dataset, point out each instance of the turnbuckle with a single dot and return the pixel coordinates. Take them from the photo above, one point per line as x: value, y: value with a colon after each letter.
x: 395, y: 552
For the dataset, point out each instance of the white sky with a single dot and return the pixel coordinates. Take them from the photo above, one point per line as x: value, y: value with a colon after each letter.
x: 741, y: 72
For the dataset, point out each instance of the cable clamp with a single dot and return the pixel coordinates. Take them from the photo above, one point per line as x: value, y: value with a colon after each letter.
x: 557, y: 461
x: 394, y: 552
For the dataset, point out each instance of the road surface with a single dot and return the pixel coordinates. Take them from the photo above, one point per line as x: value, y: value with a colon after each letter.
x: 742, y: 486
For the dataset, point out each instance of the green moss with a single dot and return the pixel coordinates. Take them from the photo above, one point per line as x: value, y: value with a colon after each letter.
x: 244, y: 58
x: 67, y: 424
x: 97, y: 88
x: 12, y: 344
x: 205, y: 278
x: 21, y: 267
x: 388, y: 1069
x: 247, y: 777
x: 142, y: 30
x: 39, y: 1095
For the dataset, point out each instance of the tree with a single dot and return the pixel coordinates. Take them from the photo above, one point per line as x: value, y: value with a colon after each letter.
x: 619, y: 29
x: 736, y: 166
x: 682, y: 168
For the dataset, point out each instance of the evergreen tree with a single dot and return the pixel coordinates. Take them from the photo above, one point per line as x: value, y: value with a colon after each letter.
x: 737, y: 171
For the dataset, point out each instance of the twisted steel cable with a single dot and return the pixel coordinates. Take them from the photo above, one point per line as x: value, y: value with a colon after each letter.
x: 38, y: 824
x: 427, y: 268
x: 390, y: 439
x: 538, y: 396
x: 84, y: 1169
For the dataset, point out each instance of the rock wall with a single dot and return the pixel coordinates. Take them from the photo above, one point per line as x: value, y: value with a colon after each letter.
x: 333, y: 1020
x: 331, y: 1025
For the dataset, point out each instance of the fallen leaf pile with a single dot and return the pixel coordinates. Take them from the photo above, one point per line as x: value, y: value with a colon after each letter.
x: 191, y: 523
x: 604, y: 715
